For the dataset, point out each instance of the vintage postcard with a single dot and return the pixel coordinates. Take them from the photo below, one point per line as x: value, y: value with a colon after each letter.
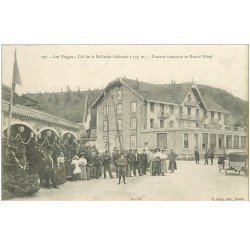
x: 125, y: 122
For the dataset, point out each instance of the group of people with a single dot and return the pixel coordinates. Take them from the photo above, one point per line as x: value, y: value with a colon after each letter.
x: 57, y: 161
x: 90, y: 164
x: 209, y: 153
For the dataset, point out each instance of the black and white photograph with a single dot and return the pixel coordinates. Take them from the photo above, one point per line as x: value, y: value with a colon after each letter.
x: 125, y: 122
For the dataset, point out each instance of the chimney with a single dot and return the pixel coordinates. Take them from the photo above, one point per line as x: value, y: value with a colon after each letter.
x: 137, y: 84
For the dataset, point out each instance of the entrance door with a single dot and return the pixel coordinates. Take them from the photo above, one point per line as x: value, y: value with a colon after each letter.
x: 229, y: 141
x: 162, y: 140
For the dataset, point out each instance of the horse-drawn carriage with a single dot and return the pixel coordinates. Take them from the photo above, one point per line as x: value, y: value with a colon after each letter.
x: 234, y: 160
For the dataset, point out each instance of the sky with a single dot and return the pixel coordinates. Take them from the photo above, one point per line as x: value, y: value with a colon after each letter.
x: 50, y: 68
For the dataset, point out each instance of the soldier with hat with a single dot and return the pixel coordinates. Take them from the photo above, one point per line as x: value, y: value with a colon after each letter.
x: 144, y: 161
x: 106, y: 165
x: 130, y: 157
x: 122, y: 167
x: 97, y: 166
x: 116, y: 157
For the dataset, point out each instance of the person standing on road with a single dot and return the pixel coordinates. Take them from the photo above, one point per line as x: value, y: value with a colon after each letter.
x: 83, y: 166
x: 172, y: 163
x: 157, y: 161
x: 90, y: 165
x: 164, y: 162
x: 122, y: 167
x: 77, y: 169
x: 197, y: 156
x: 144, y: 161
x: 136, y: 163
x: 61, y: 168
x: 206, y: 157
x: 106, y: 165
x: 211, y: 153
x: 97, y: 166
x: 130, y: 157
x: 115, y: 160
x: 50, y: 171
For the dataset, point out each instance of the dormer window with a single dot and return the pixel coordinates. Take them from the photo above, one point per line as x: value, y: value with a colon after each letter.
x: 152, y: 106
x: 119, y: 95
x: 171, y: 109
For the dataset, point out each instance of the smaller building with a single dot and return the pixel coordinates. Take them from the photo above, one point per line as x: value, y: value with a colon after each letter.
x: 26, y: 112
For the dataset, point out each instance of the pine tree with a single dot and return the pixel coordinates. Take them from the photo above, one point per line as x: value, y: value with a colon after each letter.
x: 68, y: 96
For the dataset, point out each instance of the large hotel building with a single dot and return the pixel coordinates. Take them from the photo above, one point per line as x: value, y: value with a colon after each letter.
x: 167, y: 116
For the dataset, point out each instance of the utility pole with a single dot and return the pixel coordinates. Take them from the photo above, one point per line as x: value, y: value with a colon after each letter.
x: 117, y: 126
x: 107, y: 115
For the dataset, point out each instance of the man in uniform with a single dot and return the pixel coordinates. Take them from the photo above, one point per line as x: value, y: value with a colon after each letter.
x: 144, y: 161
x: 106, y: 165
x: 115, y: 160
x: 122, y: 167
x: 196, y: 155
x: 211, y: 154
x: 97, y: 166
x: 90, y: 166
x: 130, y: 157
x: 136, y: 163
x: 206, y: 157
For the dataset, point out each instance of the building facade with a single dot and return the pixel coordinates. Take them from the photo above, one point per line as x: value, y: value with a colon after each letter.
x: 166, y: 116
x: 26, y: 113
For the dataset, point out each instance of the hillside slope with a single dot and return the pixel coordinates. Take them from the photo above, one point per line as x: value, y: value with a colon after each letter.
x: 70, y: 104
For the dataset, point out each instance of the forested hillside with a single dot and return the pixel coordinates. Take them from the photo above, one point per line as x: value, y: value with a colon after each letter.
x: 69, y: 104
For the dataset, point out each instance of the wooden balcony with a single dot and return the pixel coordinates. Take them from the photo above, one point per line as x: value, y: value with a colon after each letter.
x: 163, y: 114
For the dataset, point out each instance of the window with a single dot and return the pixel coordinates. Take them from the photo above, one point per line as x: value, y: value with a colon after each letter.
x: 145, y: 143
x: 205, y: 114
x: 119, y: 124
x: 171, y: 124
x: 189, y: 112
x: 152, y: 123
x: 204, y: 140
x: 185, y: 140
x: 119, y: 108
x: 119, y: 95
x: 171, y: 107
x: 220, y: 141
x: 197, y: 114
x: 181, y: 111
x: 219, y: 115
x: 243, y: 141
x: 189, y: 97
x: 212, y: 116
x: 133, y: 142
x: 105, y: 126
x: 228, y: 141
x: 152, y: 106
x: 236, y: 141
x: 133, y: 123
x: 133, y: 107
x: 161, y: 123
x: 213, y: 140
x: 161, y: 108
x: 196, y: 142
x: 106, y: 110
